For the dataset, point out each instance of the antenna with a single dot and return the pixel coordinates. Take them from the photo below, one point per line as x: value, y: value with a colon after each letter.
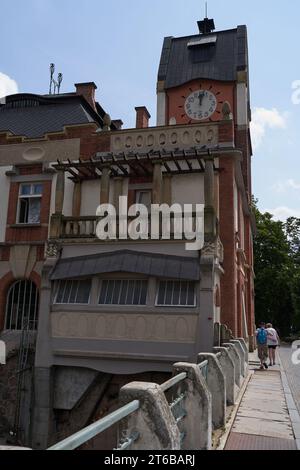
x: 206, y: 10
x: 56, y: 84
x: 52, y: 70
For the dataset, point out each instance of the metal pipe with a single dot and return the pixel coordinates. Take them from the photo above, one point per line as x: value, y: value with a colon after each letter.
x: 79, y: 438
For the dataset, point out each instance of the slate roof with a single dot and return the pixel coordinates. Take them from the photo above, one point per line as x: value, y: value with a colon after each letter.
x: 33, y: 116
x: 157, y: 265
x: 180, y: 64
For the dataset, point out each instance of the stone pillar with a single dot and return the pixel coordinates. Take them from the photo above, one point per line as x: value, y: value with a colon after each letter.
x: 167, y: 190
x: 105, y: 180
x: 209, y: 180
x: 216, y: 383
x: 205, y: 327
x: 217, y: 334
x: 242, y: 355
x: 118, y: 191
x: 210, y: 221
x: 43, y: 419
x: 237, y: 361
x: 59, y: 192
x: 197, y: 425
x: 42, y: 414
x: 153, y: 420
x: 245, y: 347
x: 157, y: 183
x: 76, y: 207
x: 228, y: 369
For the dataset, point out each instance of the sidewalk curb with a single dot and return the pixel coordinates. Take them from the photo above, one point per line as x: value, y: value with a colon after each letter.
x: 230, y: 423
x: 291, y: 405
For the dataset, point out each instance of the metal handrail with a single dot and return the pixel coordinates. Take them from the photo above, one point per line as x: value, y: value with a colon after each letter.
x: 173, y: 381
x: 203, y: 364
x: 79, y: 438
x: 84, y: 435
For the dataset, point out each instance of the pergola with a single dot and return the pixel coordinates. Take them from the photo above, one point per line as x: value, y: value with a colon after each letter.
x: 138, y: 164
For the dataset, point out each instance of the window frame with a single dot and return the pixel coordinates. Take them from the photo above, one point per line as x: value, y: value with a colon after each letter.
x: 122, y: 280
x: 175, y: 305
x: 71, y: 281
x: 32, y: 195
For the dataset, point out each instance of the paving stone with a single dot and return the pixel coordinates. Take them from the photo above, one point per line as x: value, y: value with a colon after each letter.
x: 262, y: 427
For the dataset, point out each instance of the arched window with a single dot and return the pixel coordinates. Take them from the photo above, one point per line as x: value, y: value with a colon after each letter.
x: 22, y: 306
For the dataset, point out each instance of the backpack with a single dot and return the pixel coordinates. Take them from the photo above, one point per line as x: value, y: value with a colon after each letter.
x: 262, y: 336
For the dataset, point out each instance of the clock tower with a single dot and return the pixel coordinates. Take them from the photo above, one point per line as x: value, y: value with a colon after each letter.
x: 203, y: 79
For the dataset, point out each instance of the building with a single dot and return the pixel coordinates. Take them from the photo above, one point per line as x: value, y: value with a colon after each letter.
x: 109, y: 311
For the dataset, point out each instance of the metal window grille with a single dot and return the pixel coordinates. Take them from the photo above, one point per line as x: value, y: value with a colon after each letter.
x: 73, y: 292
x: 30, y: 198
x: 123, y: 292
x: 22, y: 306
x: 176, y: 294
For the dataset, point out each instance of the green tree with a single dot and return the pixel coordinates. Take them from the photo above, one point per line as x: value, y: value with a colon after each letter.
x: 275, y: 273
x: 292, y: 230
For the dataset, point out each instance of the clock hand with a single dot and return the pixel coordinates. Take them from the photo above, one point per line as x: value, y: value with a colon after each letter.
x: 201, y: 96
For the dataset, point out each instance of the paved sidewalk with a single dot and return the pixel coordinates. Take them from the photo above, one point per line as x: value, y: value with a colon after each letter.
x: 263, y: 420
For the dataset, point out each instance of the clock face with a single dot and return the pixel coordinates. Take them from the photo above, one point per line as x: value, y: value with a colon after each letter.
x: 200, y: 105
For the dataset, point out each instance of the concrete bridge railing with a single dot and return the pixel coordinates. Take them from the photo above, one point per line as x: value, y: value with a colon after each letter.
x: 179, y: 414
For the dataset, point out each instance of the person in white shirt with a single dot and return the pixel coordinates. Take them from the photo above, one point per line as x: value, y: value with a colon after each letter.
x: 273, y: 342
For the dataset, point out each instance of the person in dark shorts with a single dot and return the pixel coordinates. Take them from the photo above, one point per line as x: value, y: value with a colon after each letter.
x: 273, y: 342
x: 262, y: 345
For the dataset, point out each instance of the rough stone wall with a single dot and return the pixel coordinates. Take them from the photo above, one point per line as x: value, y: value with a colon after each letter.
x: 101, y: 399
x: 8, y: 393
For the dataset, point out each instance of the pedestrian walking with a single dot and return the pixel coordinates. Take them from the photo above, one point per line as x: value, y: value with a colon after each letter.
x: 262, y: 345
x: 273, y: 342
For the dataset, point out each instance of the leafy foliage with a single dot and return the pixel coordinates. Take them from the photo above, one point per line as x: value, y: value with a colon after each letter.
x: 277, y: 270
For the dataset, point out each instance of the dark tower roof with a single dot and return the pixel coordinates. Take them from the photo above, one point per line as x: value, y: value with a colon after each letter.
x: 214, y: 56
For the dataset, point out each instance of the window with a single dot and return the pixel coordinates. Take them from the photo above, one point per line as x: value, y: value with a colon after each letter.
x: 22, y: 306
x: 30, y: 197
x: 123, y: 292
x: 73, y: 292
x: 144, y: 197
x: 176, y: 294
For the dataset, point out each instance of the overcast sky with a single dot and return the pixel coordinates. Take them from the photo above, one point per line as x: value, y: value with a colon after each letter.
x: 118, y: 44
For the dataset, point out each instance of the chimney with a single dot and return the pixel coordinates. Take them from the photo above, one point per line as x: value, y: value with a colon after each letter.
x: 118, y: 123
x: 87, y: 90
x: 142, y: 117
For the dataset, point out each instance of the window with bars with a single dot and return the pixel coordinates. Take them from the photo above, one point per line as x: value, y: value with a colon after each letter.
x: 22, y: 306
x: 176, y: 294
x: 73, y: 292
x: 123, y: 292
x: 29, y: 208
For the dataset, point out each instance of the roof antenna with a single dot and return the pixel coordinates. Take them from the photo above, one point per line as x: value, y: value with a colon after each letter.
x: 53, y: 83
x: 206, y: 26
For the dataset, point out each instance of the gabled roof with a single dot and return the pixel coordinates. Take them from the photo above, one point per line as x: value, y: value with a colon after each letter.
x: 33, y: 116
x: 218, y: 60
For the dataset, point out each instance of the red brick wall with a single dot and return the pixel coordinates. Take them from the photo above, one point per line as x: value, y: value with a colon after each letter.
x: 176, y: 98
x: 5, y: 283
x: 23, y: 233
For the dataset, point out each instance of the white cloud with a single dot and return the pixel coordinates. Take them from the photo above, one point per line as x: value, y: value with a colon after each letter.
x: 283, y: 213
x: 263, y: 119
x: 8, y: 86
x: 284, y: 186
